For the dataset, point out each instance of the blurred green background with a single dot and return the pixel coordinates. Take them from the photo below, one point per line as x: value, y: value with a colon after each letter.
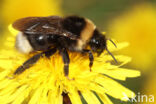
x: 133, y: 21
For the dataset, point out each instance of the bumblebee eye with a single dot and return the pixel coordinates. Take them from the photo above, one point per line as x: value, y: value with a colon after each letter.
x: 40, y: 40
x: 97, y: 43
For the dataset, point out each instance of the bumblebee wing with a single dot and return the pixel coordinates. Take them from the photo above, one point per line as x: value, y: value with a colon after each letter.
x: 42, y: 25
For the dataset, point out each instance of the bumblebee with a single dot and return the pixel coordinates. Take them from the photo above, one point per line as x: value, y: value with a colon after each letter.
x: 53, y: 33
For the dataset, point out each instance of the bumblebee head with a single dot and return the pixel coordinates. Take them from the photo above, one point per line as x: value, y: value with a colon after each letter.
x: 97, y: 42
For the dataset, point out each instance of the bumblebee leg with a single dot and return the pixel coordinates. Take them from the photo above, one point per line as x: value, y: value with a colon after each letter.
x: 30, y: 62
x: 91, y: 57
x: 66, y: 60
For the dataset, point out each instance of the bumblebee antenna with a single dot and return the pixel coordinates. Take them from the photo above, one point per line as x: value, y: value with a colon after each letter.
x: 110, y: 52
x: 111, y: 55
x: 112, y: 42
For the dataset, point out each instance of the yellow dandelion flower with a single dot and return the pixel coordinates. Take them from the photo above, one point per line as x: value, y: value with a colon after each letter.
x: 45, y: 83
x: 138, y: 27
